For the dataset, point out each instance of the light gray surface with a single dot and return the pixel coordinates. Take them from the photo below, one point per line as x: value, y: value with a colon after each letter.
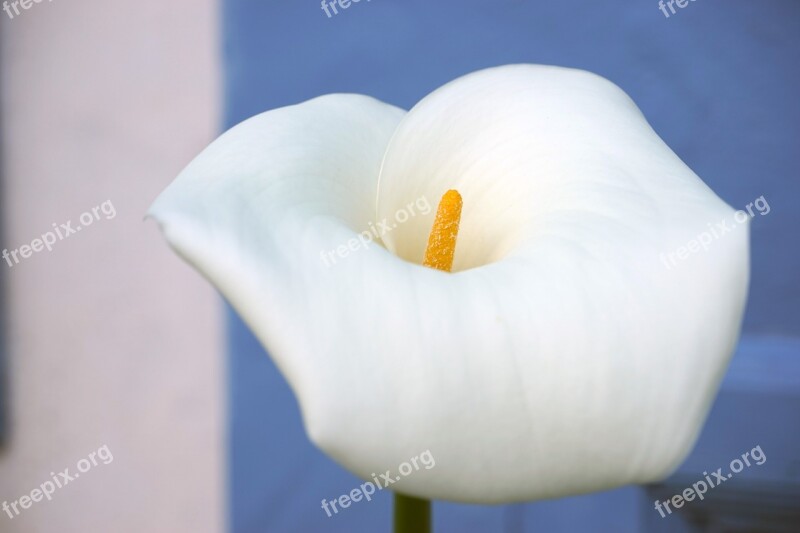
x: 112, y: 339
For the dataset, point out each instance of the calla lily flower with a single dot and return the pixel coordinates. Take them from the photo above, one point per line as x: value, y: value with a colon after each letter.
x: 561, y: 356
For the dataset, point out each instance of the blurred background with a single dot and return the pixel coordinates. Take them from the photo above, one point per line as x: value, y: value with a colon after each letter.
x: 110, y: 340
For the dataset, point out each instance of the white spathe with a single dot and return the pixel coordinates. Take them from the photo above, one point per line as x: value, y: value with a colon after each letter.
x: 560, y: 358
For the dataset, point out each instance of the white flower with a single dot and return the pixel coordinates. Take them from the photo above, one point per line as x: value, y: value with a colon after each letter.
x: 559, y: 358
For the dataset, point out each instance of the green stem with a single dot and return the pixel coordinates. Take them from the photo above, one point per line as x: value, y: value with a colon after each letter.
x: 411, y: 515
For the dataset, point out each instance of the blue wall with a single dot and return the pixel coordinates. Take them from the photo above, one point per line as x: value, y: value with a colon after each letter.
x: 718, y: 81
